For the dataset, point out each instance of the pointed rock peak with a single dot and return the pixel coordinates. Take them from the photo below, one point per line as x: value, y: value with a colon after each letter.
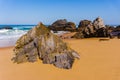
x: 98, y: 23
x: 99, y: 19
x: 41, y: 29
x: 40, y: 44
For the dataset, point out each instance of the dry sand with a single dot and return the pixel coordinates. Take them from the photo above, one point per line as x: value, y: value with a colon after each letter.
x: 100, y: 60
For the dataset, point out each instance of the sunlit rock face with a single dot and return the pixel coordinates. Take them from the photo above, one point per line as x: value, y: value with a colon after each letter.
x: 88, y: 29
x: 40, y: 44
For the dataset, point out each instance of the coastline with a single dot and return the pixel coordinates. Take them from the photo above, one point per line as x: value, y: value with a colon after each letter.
x: 98, y: 61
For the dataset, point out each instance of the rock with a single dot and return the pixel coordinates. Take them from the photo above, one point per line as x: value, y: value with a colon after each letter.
x: 40, y: 43
x: 87, y: 29
x: 98, y: 23
x: 118, y: 36
x: 117, y: 28
x: 101, y: 32
x: 63, y: 25
x: 78, y: 35
x: 115, y: 32
x: 6, y: 27
x: 70, y: 26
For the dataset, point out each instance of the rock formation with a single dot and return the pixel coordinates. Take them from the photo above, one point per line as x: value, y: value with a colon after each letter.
x: 87, y: 29
x: 6, y: 27
x: 98, y: 23
x: 40, y: 43
x: 63, y: 25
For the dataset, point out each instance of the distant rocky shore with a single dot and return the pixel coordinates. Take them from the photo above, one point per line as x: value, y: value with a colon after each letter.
x: 86, y: 28
x: 6, y: 27
x: 40, y: 43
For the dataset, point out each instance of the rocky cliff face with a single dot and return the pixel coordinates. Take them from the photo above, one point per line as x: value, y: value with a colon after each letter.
x: 40, y: 43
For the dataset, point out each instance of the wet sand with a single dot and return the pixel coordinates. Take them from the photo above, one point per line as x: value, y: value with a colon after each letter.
x: 99, y: 60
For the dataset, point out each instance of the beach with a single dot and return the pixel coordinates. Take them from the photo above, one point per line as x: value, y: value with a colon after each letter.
x: 99, y: 60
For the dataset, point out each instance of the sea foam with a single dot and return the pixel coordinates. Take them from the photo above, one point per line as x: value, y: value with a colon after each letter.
x: 9, y: 37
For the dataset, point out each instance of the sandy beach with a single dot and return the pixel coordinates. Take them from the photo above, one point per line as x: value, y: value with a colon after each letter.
x: 99, y: 60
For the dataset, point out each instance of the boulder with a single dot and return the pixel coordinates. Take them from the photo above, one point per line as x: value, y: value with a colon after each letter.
x: 40, y: 44
x: 117, y: 28
x: 98, y: 23
x: 70, y: 26
x: 6, y: 27
x: 62, y: 25
x: 87, y: 29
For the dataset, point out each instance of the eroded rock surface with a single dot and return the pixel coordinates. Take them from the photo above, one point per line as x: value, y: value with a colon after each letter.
x: 40, y: 43
x: 63, y: 25
x: 88, y: 29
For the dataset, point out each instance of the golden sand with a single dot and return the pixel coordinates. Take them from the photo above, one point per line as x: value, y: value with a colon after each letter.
x: 99, y: 60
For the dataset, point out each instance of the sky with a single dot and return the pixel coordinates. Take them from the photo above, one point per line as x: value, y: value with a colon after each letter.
x: 48, y: 11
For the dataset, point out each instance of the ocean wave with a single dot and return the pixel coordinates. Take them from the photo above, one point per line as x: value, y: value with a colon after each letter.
x: 9, y: 37
x: 3, y: 31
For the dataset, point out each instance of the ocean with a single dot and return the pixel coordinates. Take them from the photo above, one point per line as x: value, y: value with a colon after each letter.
x: 8, y: 37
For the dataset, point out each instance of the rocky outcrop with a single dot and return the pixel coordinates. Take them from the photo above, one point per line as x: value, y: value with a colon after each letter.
x: 87, y: 29
x: 40, y: 43
x: 117, y: 28
x: 63, y: 25
x: 6, y: 27
x: 98, y: 23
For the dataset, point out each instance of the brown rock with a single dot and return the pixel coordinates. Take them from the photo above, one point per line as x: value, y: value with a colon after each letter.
x: 40, y: 43
x: 63, y: 25
x: 88, y: 29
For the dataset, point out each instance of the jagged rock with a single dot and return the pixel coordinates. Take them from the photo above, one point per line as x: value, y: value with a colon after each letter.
x: 117, y: 28
x: 98, y: 23
x: 63, y: 25
x: 114, y: 32
x: 40, y: 43
x: 87, y: 29
x: 101, y: 32
x: 6, y: 27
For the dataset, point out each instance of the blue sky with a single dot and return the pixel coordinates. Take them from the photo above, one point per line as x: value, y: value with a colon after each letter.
x: 47, y: 11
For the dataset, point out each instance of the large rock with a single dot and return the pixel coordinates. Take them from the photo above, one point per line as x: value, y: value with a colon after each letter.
x: 98, y: 23
x: 6, y: 27
x: 87, y: 29
x: 117, y: 28
x: 63, y: 25
x: 40, y: 43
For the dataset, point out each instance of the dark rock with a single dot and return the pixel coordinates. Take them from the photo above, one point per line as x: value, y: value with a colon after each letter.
x: 118, y: 36
x: 6, y: 27
x: 40, y: 43
x: 87, y: 29
x: 63, y: 25
x: 117, y: 28
x: 70, y: 26
x: 101, y: 32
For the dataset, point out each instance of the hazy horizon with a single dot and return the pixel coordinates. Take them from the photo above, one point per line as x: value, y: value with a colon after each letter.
x: 48, y: 11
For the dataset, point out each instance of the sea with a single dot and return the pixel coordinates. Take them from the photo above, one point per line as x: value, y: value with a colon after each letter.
x: 8, y: 37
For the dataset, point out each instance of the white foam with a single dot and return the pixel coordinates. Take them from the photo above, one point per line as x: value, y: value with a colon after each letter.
x: 9, y: 37
x: 3, y: 31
